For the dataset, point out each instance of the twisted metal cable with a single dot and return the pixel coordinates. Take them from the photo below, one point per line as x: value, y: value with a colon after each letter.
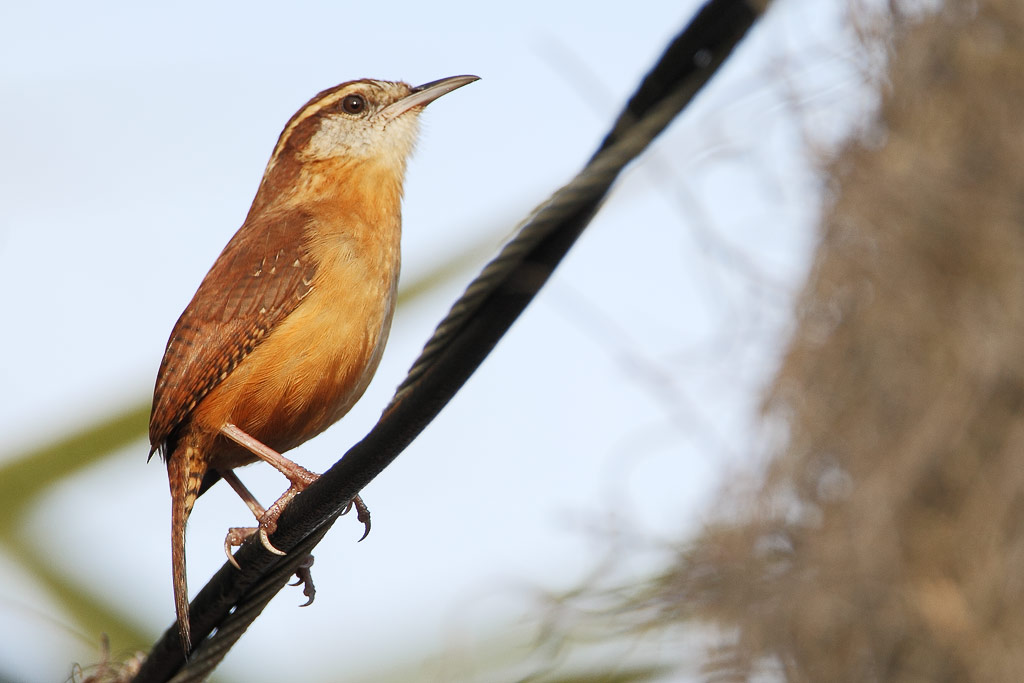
x: 212, y: 650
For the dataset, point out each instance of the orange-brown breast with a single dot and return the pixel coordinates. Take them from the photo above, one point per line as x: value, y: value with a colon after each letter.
x: 315, y: 336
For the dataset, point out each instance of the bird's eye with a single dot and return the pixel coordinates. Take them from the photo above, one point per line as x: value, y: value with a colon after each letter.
x: 353, y: 104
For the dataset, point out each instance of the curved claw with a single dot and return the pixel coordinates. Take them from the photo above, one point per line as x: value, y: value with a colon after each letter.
x: 362, y: 514
x: 235, y: 537
x: 265, y: 540
x: 231, y: 557
x: 304, y: 576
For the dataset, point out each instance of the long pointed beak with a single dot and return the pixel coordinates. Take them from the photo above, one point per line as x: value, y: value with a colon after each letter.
x: 425, y: 94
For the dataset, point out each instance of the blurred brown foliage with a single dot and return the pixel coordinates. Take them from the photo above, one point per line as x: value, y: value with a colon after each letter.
x: 887, y: 540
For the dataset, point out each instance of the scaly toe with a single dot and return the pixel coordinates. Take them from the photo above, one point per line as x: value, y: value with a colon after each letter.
x: 304, y: 576
x: 362, y: 514
x: 235, y: 537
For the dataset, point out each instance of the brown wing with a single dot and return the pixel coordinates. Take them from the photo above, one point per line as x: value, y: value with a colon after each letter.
x: 260, y: 277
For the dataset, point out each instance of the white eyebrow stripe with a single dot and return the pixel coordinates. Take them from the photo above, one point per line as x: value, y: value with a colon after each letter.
x: 301, y: 117
x: 314, y: 108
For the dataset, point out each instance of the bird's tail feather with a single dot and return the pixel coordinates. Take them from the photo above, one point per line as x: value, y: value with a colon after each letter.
x: 185, y: 470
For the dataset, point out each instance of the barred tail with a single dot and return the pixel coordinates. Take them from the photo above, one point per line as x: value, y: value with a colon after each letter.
x: 185, y: 469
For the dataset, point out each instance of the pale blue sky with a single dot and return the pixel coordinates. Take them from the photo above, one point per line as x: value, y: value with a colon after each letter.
x: 133, y: 139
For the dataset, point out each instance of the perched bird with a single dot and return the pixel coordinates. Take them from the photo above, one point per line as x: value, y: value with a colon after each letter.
x: 286, y: 330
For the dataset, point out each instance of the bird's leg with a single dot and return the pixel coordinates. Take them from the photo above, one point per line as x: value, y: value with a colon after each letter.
x: 237, y: 535
x: 299, y: 477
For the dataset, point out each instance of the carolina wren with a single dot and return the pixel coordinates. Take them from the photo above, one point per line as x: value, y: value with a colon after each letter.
x: 286, y: 330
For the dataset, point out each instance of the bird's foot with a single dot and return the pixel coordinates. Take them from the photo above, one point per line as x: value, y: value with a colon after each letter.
x: 303, y: 573
x: 267, y: 521
x: 304, y: 577
x: 236, y: 537
x: 362, y: 514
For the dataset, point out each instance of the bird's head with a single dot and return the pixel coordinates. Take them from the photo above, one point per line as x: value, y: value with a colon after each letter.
x: 352, y: 123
